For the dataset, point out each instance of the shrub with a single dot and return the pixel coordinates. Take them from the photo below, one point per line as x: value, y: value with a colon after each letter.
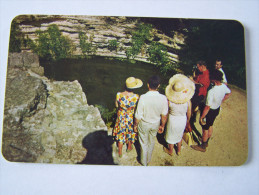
x: 52, y: 45
x: 86, y: 44
x: 157, y: 54
x: 139, y: 38
x: 113, y: 45
x: 107, y: 115
x: 15, y: 38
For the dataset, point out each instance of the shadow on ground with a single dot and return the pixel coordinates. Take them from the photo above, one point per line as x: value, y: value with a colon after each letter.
x: 99, y: 148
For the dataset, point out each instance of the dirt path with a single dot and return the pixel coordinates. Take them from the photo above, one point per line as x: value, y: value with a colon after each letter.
x: 227, y: 147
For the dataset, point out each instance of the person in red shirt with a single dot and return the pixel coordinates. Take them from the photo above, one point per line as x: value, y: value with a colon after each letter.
x: 202, y: 82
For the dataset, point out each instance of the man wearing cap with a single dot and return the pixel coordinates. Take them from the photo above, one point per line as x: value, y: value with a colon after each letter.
x: 150, y: 118
x: 218, y: 94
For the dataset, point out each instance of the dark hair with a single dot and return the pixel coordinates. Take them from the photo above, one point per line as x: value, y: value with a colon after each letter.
x: 219, y: 60
x: 201, y: 62
x: 154, y: 82
x: 128, y: 89
x: 216, y: 75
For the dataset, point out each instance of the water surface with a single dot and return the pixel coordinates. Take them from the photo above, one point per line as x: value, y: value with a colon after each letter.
x: 102, y: 78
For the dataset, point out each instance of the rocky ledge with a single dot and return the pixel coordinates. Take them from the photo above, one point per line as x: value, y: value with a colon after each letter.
x: 45, y: 121
x: 102, y: 29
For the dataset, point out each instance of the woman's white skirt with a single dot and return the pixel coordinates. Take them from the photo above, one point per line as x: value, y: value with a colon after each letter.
x: 175, y: 128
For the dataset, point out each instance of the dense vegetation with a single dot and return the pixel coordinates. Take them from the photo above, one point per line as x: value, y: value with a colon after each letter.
x: 52, y: 44
x: 17, y: 39
x: 208, y: 40
x: 86, y: 44
x: 217, y: 39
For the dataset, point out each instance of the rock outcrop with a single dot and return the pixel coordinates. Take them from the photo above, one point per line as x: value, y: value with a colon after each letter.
x: 101, y: 29
x: 45, y: 121
x: 25, y: 61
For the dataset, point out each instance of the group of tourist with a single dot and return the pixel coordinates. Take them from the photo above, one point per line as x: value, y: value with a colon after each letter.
x: 142, y: 117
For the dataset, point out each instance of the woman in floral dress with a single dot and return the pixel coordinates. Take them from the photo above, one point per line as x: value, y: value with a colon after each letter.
x: 126, y: 103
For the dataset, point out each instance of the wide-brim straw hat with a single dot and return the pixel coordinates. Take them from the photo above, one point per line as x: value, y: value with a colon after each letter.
x: 133, y: 83
x: 180, y: 89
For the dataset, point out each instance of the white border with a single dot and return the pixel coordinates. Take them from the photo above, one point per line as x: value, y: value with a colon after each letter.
x: 23, y: 178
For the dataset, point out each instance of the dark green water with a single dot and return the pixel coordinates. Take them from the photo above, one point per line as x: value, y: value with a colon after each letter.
x: 102, y: 78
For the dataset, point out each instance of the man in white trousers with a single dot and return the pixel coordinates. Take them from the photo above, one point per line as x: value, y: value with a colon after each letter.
x: 150, y: 118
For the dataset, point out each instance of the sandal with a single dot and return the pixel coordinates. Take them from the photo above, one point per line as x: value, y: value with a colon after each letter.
x: 167, y: 151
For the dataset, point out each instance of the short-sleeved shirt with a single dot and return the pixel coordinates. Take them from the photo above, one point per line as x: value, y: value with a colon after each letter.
x: 224, y: 79
x: 151, y: 106
x: 204, y: 79
x: 216, y: 95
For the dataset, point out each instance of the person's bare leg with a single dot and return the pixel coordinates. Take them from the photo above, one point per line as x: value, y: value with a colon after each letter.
x: 120, y: 145
x: 205, y: 135
x: 179, y: 145
x: 210, y: 132
x: 129, y: 146
x: 171, y: 148
x: 202, y: 147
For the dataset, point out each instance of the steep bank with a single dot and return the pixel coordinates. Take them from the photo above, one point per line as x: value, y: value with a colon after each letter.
x: 45, y: 121
x: 99, y: 30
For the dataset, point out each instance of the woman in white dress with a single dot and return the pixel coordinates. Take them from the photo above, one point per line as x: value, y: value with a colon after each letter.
x: 179, y: 92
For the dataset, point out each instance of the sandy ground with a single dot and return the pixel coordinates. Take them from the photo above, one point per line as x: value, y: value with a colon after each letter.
x: 228, y: 145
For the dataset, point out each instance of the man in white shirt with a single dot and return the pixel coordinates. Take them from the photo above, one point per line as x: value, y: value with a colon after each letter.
x: 150, y: 118
x: 218, y: 94
x: 218, y: 66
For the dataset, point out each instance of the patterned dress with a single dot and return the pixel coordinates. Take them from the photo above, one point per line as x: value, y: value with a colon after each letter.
x: 123, y: 129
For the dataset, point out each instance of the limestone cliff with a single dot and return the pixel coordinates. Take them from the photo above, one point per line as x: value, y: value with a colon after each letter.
x: 101, y: 29
x: 45, y: 121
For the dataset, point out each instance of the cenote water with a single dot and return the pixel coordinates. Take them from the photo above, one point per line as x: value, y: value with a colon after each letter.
x: 102, y: 78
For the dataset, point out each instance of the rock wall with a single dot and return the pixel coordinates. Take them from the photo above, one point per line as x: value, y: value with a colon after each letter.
x: 102, y: 29
x: 45, y: 121
x: 25, y: 61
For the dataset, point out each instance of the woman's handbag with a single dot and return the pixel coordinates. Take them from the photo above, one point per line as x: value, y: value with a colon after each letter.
x: 188, y: 138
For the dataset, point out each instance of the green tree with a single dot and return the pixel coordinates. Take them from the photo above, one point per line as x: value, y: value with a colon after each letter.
x: 113, y: 45
x: 52, y: 45
x: 86, y: 44
x: 157, y: 54
x: 139, y: 37
x: 15, y: 38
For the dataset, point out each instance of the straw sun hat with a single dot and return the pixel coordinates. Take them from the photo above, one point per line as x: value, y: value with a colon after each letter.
x: 133, y: 83
x: 180, y: 89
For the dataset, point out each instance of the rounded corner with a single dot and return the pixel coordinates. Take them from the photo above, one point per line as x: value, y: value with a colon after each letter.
x: 240, y: 24
x: 5, y: 158
x: 244, y: 162
x: 16, y: 17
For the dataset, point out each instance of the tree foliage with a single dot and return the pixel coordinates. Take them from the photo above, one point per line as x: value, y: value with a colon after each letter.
x: 86, y: 44
x: 113, y: 45
x: 215, y: 39
x: 157, y: 54
x: 105, y: 113
x: 52, y: 44
x: 17, y: 39
x: 139, y: 37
